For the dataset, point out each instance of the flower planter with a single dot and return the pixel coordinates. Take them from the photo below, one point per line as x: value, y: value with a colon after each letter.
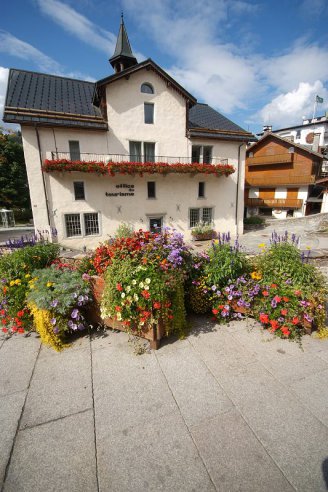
x: 208, y: 236
x: 154, y: 333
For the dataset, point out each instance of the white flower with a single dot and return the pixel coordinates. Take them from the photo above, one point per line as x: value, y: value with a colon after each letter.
x: 148, y: 281
x: 134, y: 282
x: 123, y: 295
x: 146, y: 287
x: 135, y: 297
x: 141, y: 285
x: 129, y: 298
x: 118, y: 316
x: 128, y: 288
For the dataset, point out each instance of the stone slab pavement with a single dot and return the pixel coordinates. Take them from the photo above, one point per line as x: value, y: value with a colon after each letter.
x: 229, y: 408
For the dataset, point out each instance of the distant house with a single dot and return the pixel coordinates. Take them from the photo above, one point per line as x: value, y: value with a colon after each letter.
x: 137, y: 116
x: 281, y: 178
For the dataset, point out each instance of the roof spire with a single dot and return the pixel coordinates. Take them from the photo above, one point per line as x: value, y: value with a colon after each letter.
x: 123, y: 57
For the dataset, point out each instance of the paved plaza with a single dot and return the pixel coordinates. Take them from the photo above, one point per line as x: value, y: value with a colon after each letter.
x: 227, y: 409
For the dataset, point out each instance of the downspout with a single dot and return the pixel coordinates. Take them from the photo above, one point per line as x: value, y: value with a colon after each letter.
x: 43, y: 180
x: 237, y: 189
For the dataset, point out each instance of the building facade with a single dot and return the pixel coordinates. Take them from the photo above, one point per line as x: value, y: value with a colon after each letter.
x: 138, y: 116
x: 281, y: 178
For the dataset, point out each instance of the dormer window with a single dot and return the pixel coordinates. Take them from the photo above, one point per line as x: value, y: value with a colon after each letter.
x: 147, y: 88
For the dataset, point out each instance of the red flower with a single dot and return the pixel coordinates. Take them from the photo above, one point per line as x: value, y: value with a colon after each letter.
x: 119, y: 287
x: 277, y: 299
x: 285, y: 299
x: 215, y: 311
x: 285, y: 331
x: 221, y: 306
x: 284, y: 312
x: 3, y: 312
x: 21, y: 330
x: 265, y: 293
x: 295, y: 320
x: 145, y: 294
x: 264, y: 318
x: 157, y: 305
x: 298, y: 293
x: 4, y: 330
x: 274, y: 324
x: 118, y: 308
x: 273, y: 286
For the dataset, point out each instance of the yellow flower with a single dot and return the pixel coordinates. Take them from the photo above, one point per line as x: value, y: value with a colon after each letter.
x: 27, y: 275
x: 18, y: 281
x: 256, y: 275
x: 12, y: 282
x: 261, y: 245
x: 32, y: 286
x: 49, y: 284
x: 308, y: 247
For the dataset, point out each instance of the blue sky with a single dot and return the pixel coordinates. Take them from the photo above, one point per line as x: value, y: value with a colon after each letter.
x: 257, y: 62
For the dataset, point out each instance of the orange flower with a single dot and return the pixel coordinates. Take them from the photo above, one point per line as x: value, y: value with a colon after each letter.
x: 295, y: 320
x: 285, y: 331
x: 273, y: 286
x: 284, y: 312
x: 274, y: 324
x: 264, y: 318
x: 215, y: 311
x: 285, y: 299
x: 265, y: 293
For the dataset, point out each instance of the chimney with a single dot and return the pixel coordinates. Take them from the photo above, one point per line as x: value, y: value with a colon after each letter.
x: 267, y: 128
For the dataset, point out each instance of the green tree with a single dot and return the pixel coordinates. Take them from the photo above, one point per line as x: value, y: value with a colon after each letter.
x: 14, y: 190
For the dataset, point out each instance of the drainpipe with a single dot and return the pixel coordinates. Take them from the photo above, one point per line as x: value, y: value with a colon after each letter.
x: 237, y: 189
x: 43, y: 180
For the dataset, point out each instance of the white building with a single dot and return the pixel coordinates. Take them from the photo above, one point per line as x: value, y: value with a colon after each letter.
x: 137, y: 114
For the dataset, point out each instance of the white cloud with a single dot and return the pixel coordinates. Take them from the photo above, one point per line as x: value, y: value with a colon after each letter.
x: 11, y: 45
x: 288, y: 109
x: 78, y: 25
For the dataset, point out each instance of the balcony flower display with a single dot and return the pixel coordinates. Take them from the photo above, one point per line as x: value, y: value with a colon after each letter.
x: 135, y: 168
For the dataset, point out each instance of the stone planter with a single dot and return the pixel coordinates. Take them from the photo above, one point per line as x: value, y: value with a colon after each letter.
x: 154, y: 333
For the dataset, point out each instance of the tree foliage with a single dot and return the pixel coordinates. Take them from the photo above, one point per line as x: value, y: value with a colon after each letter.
x: 14, y: 190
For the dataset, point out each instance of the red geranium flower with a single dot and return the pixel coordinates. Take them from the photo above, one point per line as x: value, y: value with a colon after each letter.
x: 215, y: 311
x: 119, y: 287
x: 274, y: 324
x: 274, y: 286
x: 21, y: 330
x: 285, y: 331
x: 145, y: 294
x: 118, y: 308
x: 265, y: 293
x: 4, y: 330
x: 285, y: 299
x: 295, y: 320
x: 284, y: 312
x: 277, y: 299
x: 157, y: 305
x: 264, y: 318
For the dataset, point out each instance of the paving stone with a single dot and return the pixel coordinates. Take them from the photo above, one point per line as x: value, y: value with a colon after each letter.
x: 61, y: 385
x: 10, y: 411
x: 129, y: 388
x: 158, y: 455
x: 196, y: 391
x: 17, y: 359
x: 235, y: 458
x: 77, y: 343
x: 312, y: 391
x: 295, y: 439
x: 57, y: 456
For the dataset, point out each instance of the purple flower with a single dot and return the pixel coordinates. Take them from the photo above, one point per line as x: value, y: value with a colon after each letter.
x: 72, y: 325
x: 213, y: 287
x: 54, y: 303
x: 308, y: 318
x: 81, y: 298
x: 75, y: 314
x: 85, y: 276
x: 56, y: 329
x: 53, y: 321
x: 80, y: 326
x: 273, y: 303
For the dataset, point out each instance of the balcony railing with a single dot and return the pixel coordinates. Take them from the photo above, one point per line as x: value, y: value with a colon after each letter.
x: 88, y: 157
x: 266, y: 160
x: 274, y: 202
x: 272, y: 181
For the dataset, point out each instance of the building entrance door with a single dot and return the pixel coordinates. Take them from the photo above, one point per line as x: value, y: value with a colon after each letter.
x: 156, y: 224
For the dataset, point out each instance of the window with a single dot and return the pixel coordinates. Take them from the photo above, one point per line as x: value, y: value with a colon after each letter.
x: 91, y: 225
x: 202, y: 154
x: 149, y: 152
x: 74, y: 150
x: 79, y: 190
x: 85, y: 224
x: 200, y: 215
x: 142, y: 151
x: 147, y: 88
x: 135, y: 151
x: 201, y: 189
x: 149, y: 113
x: 151, y: 189
x: 73, y: 225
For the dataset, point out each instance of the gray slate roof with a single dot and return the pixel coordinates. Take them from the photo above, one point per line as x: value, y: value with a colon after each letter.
x: 35, y: 97
x: 53, y: 100
x: 202, y: 116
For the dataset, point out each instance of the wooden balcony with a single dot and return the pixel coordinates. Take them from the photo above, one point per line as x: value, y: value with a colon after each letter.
x: 274, y: 202
x: 278, y: 180
x: 266, y: 160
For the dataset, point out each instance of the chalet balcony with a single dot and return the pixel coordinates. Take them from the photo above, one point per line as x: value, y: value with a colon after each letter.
x: 274, y: 202
x: 267, y: 160
x: 89, y: 157
x: 279, y: 180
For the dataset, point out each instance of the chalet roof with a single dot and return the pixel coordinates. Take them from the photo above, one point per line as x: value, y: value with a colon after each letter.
x: 52, y: 100
x: 42, y: 99
x: 206, y: 122
x: 267, y: 135
x: 148, y: 64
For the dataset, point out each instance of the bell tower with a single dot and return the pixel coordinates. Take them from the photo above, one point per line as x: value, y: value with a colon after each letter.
x: 123, y: 57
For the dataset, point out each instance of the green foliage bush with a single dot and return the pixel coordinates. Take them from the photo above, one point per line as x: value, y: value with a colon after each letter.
x: 254, y: 220
x: 25, y: 260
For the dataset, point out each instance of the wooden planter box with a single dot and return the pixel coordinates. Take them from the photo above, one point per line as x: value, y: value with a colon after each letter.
x: 154, y: 333
x: 204, y: 237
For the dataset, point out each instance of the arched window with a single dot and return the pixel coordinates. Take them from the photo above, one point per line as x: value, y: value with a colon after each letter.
x: 147, y: 88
